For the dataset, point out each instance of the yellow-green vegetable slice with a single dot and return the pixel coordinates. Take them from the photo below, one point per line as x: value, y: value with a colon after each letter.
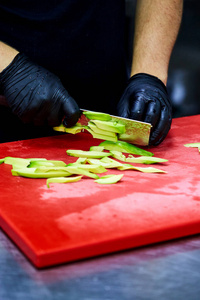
x: 72, y: 168
x: 77, y: 128
x: 63, y: 179
x: 144, y: 170
x: 105, y: 162
x: 101, y: 136
x: 97, y: 115
x: 98, y: 130
x: 138, y: 160
x: 193, y: 145
x: 87, y: 154
x: 96, y: 148
x: 81, y: 160
x: 94, y: 168
x: 69, y: 170
x: 109, y: 179
x: 60, y: 128
x: 80, y: 171
x: 145, y: 160
x: 47, y: 163
x: 73, y: 130
x: 111, y: 162
x: 17, y: 161
x: 118, y: 155
x: 125, y: 147
x: 21, y: 162
x: 45, y: 169
x: 34, y: 173
x: 113, y: 126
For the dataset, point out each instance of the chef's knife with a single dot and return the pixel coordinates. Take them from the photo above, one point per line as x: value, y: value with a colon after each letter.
x: 136, y: 132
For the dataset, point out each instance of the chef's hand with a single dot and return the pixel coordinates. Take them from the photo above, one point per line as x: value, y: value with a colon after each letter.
x: 35, y: 95
x: 146, y: 99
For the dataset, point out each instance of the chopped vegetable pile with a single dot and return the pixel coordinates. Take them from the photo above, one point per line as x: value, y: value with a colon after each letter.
x: 100, y: 126
x: 92, y: 163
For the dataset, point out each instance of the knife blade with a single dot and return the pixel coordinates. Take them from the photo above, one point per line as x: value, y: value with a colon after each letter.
x: 136, y: 132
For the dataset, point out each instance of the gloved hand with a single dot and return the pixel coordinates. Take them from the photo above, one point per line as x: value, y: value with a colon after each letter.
x: 36, y: 95
x: 146, y: 99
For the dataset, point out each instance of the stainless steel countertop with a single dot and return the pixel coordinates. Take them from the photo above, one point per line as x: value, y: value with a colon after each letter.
x: 165, y: 271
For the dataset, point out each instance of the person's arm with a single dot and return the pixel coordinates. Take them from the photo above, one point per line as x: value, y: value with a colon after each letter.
x: 157, y: 24
x: 7, y: 54
x: 146, y: 98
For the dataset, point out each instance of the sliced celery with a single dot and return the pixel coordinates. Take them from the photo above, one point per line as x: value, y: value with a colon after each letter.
x: 60, y: 128
x: 112, y: 162
x: 80, y: 171
x: 101, y: 136
x: 193, y: 145
x: 81, y: 160
x: 98, y: 130
x: 139, y: 160
x: 109, y: 179
x: 34, y: 173
x: 104, y: 162
x: 62, y: 179
x: 87, y: 154
x: 144, y: 170
x: 145, y: 160
x: 45, y: 169
x: 16, y: 161
x: 96, y: 148
x: 113, y: 126
x: 118, y: 155
x: 73, y: 130
x: 97, y: 115
x: 94, y: 168
x: 125, y: 147
x: 47, y: 163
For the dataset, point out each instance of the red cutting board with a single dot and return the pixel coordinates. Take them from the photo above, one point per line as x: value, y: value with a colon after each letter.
x: 72, y: 221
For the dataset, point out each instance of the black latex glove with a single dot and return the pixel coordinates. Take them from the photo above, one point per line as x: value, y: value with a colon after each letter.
x: 146, y: 99
x: 36, y: 95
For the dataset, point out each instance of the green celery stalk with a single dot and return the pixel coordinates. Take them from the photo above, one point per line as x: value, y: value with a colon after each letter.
x: 104, y: 162
x: 94, y: 168
x: 98, y: 130
x: 118, y: 155
x: 47, y: 163
x: 113, y: 126
x: 125, y: 147
x: 96, y: 148
x: 34, y: 173
x: 101, y: 136
x: 97, y: 115
x: 145, y: 160
x: 109, y: 179
x: 87, y: 154
x: 80, y: 171
x: 62, y: 180
x: 193, y: 145
x: 144, y: 170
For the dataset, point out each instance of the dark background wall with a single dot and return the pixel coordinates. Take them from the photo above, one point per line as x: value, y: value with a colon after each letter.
x: 184, y: 69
